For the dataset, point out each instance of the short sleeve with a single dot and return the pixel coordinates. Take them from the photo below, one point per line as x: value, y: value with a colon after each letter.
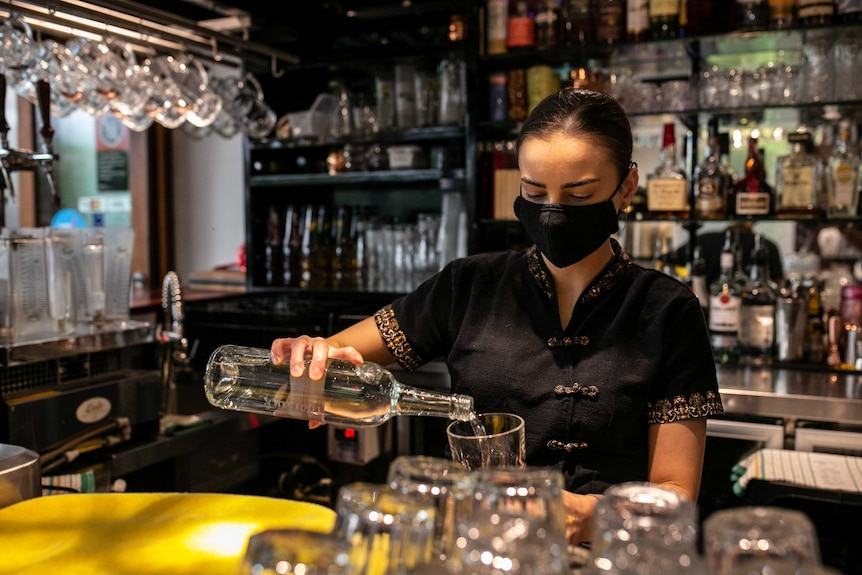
x: 687, y: 386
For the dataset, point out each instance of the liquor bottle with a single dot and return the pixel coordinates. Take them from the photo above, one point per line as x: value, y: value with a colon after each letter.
x: 610, y: 21
x: 637, y: 20
x: 728, y: 170
x: 578, y: 23
x: 848, y: 11
x: 711, y: 182
x: 667, y: 185
x: 752, y: 14
x: 244, y: 379
x: 725, y: 303
x: 815, y: 12
x: 799, y: 180
x: 521, y: 35
x: 842, y: 177
x: 781, y: 13
x: 697, y: 274
x: 664, y: 18
x: 306, y: 257
x: 516, y: 94
x: 291, y: 249
x: 751, y: 195
x: 757, y: 314
x: 548, y: 24
x: 273, y: 256
x: 340, y: 249
x: 498, y: 26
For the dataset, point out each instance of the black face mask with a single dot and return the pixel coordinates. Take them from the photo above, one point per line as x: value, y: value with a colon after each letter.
x: 568, y: 234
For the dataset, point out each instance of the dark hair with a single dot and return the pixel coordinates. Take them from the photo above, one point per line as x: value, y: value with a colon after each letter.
x: 583, y: 113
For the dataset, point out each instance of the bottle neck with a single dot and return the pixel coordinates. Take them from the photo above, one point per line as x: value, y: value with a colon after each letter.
x: 415, y: 401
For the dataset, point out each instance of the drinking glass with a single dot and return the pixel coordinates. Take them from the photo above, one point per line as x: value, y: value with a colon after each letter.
x: 502, y: 445
x: 755, y: 538
x: 295, y: 552
x: 389, y: 532
x: 441, y: 483
x: 641, y: 511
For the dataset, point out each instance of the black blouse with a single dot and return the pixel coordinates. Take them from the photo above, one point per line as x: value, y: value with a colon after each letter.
x: 636, y: 352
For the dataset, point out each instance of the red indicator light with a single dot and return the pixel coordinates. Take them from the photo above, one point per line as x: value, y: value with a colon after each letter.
x: 349, y: 433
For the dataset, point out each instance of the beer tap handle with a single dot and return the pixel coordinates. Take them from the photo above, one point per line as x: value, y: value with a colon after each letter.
x: 43, y: 96
x: 5, y: 172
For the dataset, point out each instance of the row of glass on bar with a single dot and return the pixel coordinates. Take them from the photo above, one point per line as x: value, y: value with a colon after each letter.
x: 524, y: 25
x: 63, y: 281
x: 343, y: 247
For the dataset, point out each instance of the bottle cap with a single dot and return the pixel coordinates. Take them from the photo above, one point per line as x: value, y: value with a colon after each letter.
x: 669, y: 138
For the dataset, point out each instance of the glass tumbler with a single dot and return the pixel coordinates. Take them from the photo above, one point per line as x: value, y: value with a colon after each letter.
x: 295, y: 552
x: 759, y: 539
x: 389, y: 532
x: 503, y: 443
x: 442, y: 483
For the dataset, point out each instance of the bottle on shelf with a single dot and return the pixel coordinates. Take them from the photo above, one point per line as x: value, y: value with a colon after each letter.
x: 664, y: 16
x: 578, y: 23
x: 752, y: 14
x: 815, y: 12
x: 497, y: 17
x: 842, y: 176
x: 516, y: 94
x: 291, y: 248
x: 799, y: 180
x: 751, y: 195
x: 548, y: 24
x: 711, y: 181
x: 848, y: 11
x: 728, y: 170
x: 725, y: 304
x: 667, y: 185
x: 306, y: 257
x: 274, y: 258
x: 697, y: 273
x: 704, y: 17
x: 521, y: 30
x: 757, y: 314
x: 610, y: 21
x: 244, y: 379
x: 637, y: 20
x: 781, y: 13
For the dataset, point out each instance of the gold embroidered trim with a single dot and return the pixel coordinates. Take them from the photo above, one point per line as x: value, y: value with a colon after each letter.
x: 612, y: 274
x: 568, y: 341
x: 555, y: 445
x: 577, y: 388
x: 681, y: 408
x: 395, y: 340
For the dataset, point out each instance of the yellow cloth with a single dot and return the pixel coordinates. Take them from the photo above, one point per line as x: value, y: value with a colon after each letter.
x: 141, y: 533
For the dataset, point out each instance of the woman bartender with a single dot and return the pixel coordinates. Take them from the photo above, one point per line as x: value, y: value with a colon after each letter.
x: 609, y: 363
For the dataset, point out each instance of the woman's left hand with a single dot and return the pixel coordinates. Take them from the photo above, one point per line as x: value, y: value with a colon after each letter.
x: 579, y: 516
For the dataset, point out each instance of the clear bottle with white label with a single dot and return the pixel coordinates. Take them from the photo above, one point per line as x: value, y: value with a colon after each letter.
x: 725, y: 305
x: 799, y: 181
x: 244, y: 379
x: 842, y: 177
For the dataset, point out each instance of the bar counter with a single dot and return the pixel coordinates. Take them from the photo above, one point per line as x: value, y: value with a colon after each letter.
x: 792, y: 392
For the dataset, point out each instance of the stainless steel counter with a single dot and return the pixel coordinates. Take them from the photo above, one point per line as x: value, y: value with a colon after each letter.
x: 800, y: 393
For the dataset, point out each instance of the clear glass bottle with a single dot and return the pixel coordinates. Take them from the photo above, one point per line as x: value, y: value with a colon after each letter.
x: 244, y: 379
x: 799, y: 180
x: 842, y: 176
x: 637, y: 20
x: 667, y: 185
x: 711, y: 182
x: 725, y: 304
x: 664, y: 18
x: 751, y: 195
x: 757, y: 315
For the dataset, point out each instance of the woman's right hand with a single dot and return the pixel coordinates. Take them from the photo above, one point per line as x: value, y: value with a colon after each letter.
x: 296, y: 350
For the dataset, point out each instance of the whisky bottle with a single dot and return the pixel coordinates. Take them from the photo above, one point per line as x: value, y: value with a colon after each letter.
x: 637, y: 20
x: 751, y: 195
x: 667, y: 185
x: 757, y: 314
x: 711, y: 182
x: 521, y: 27
x: 815, y: 12
x: 725, y: 303
x: 548, y: 24
x: 610, y: 21
x: 244, y: 379
x: 273, y: 255
x: 799, y: 180
x: 781, y: 13
x: 848, y: 11
x: 291, y: 248
x: 698, y: 279
x: 664, y: 18
x: 842, y: 177
x: 497, y: 26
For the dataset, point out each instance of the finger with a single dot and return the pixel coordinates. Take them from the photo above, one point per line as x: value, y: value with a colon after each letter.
x: 299, y: 347
x: 348, y: 353
x: 315, y: 424
x: 319, y: 355
x: 279, y: 348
